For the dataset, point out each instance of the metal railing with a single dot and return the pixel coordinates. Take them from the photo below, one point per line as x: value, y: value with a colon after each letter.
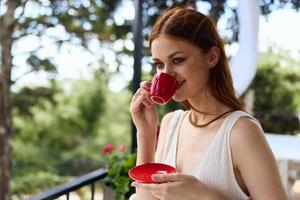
x: 77, y: 183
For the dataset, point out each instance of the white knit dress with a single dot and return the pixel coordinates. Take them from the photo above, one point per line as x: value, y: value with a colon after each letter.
x: 215, y: 168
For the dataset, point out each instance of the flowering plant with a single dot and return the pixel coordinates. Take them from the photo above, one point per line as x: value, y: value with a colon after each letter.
x: 118, y: 163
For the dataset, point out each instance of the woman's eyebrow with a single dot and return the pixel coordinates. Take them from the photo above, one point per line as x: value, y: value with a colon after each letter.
x: 170, y: 56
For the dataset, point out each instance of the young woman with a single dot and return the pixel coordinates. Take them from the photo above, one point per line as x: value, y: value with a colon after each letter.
x: 219, y: 150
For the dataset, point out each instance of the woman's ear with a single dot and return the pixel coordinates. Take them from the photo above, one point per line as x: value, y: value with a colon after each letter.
x: 213, y: 56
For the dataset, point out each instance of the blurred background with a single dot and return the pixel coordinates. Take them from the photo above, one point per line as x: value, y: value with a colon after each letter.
x: 67, y: 70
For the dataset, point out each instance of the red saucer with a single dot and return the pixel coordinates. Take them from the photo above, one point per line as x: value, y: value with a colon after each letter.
x: 142, y: 173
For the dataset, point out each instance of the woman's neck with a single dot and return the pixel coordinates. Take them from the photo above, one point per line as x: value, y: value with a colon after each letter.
x: 205, y: 106
x: 205, y: 103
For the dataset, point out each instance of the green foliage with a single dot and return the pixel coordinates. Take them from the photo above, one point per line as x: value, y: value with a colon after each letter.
x: 119, y: 163
x: 115, y: 125
x: 64, y: 139
x: 276, y: 87
x: 28, y: 97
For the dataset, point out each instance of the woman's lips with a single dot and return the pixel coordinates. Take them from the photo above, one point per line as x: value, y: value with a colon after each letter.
x: 181, y: 82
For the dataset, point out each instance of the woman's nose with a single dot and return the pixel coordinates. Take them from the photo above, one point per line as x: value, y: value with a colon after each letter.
x: 168, y: 70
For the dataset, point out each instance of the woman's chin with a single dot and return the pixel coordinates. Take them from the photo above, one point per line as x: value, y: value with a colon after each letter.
x: 178, y: 98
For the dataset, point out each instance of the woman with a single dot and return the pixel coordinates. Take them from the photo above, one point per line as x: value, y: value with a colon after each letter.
x: 219, y: 150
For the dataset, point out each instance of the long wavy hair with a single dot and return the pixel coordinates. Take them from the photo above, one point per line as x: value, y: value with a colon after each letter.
x: 199, y: 29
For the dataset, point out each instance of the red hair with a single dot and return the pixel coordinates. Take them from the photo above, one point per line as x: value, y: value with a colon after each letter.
x: 198, y: 29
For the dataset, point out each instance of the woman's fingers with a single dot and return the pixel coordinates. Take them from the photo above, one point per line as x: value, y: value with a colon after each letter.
x: 159, y: 190
x: 141, y: 97
x: 145, y: 95
x: 136, y: 102
x: 155, y: 189
x: 146, y: 85
x: 172, y: 177
x: 151, y: 187
x: 145, y: 91
x: 147, y: 102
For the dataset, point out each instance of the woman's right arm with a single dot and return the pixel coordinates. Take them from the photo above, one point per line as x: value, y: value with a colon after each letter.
x: 140, y: 193
x: 145, y: 117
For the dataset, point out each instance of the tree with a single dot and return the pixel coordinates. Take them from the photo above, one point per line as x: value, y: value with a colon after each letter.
x: 7, y: 23
x: 81, y: 20
x: 60, y: 140
x: 278, y: 78
x: 216, y: 10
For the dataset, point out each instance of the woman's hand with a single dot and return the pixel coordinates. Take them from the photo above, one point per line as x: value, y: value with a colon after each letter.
x: 178, y: 186
x: 143, y: 110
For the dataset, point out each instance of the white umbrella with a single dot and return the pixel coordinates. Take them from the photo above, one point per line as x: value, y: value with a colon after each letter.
x: 243, y: 64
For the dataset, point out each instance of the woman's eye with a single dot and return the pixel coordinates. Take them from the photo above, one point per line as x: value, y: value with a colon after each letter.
x: 158, y: 65
x: 178, y: 60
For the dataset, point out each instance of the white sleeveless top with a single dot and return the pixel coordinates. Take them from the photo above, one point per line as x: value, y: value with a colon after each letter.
x: 215, y: 168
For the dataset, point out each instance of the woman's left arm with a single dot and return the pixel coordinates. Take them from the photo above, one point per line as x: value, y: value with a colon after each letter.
x: 178, y: 186
x: 255, y: 161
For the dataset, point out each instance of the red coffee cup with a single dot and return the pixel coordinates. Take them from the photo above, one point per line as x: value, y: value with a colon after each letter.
x: 163, y: 87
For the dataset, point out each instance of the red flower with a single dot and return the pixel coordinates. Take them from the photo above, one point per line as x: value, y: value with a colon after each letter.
x: 107, y: 149
x: 122, y: 148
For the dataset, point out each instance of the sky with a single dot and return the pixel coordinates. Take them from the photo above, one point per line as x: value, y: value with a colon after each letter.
x: 280, y: 29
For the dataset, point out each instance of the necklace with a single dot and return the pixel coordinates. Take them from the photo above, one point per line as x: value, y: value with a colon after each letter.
x: 211, y: 121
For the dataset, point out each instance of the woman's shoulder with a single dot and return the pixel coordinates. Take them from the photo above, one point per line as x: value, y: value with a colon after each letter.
x: 253, y: 158
x: 246, y: 129
x: 247, y: 138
